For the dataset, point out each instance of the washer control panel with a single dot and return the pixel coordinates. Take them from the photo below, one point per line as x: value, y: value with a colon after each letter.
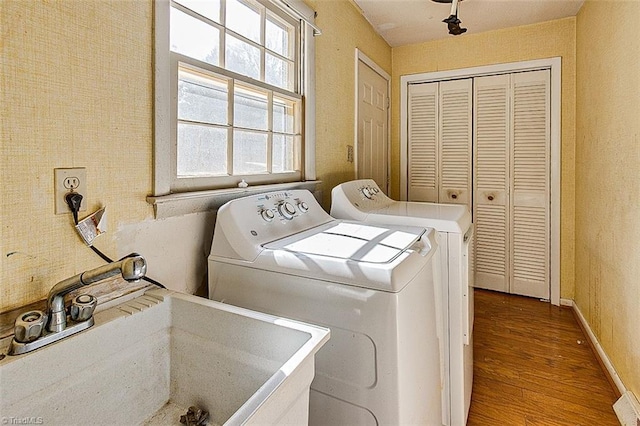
x: 246, y: 224
x: 272, y: 215
x: 369, y: 191
x: 284, y: 206
x: 365, y: 194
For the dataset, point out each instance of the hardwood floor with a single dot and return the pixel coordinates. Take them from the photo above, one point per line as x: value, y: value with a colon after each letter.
x: 533, y: 366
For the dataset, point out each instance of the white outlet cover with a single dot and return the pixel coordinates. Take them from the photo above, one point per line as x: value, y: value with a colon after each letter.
x: 66, y: 180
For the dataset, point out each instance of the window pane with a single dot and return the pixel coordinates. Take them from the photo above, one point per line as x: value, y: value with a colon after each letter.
x: 278, y: 35
x: 250, y: 109
x: 244, y: 19
x: 249, y: 152
x: 192, y: 37
x: 201, y: 98
x: 283, y: 153
x: 277, y: 72
x: 202, y: 151
x: 283, y: 116
x: 207, y: 8
x: 242, y: 57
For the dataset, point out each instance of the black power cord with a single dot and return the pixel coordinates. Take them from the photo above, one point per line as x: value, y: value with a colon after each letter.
x: 74, y: 200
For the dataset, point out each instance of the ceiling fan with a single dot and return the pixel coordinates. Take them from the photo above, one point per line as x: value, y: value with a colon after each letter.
x: 453, y: 23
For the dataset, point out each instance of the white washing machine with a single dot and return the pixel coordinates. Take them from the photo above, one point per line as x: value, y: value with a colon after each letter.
x: 372, y: 285
x: 363, y: 200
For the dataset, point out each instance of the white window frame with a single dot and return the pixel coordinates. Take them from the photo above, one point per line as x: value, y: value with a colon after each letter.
x: 165, y: 118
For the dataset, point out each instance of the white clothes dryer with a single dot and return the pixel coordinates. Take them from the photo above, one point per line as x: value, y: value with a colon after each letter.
x: 372, y: 285
x: 362, y: 200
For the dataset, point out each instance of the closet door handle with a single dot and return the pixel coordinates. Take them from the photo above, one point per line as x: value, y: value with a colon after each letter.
x: 490, y: 197
x: 454, y: 196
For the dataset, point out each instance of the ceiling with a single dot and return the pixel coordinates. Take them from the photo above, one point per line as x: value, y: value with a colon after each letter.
x: 403, y: 22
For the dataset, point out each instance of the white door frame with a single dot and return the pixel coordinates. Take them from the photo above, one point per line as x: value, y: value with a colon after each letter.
x: 552, y: 64
x: 361, y: 57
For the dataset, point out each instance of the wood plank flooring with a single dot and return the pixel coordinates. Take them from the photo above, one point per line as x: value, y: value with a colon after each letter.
x: 533, y: 366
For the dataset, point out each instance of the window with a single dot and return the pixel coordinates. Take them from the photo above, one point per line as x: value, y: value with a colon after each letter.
x: 230, y: 81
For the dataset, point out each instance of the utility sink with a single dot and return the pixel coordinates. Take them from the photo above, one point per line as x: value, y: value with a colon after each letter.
x: 147, y: 360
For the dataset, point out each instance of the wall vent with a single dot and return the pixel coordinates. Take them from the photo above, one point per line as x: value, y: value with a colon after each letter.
x: 627, y: 409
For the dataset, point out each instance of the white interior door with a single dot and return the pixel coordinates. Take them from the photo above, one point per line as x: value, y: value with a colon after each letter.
x: 491, y: 183
x: 512, y: 183
x: 372, y: 149
x: 455, y: 128
x: 439, y: 151
x: 515, y: 173
x: 530, y: 184
x: 423, y: 152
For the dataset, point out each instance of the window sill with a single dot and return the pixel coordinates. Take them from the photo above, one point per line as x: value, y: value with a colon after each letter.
x: 180, y: 204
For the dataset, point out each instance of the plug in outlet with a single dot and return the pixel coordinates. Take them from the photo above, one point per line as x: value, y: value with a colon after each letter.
x: 65, y: 181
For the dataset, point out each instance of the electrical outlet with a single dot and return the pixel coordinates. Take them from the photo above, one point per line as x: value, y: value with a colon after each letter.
x: 65, y: 181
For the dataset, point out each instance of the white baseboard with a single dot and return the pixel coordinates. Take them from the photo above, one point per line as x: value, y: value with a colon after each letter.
x: 566, y: 302
x: 601, y: 353
x: 626, y: 407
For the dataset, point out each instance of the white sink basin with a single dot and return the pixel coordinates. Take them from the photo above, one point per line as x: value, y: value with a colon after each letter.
x: 147, y: 360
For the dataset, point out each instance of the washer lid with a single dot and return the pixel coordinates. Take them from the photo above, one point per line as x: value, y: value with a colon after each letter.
x: 352, y: 241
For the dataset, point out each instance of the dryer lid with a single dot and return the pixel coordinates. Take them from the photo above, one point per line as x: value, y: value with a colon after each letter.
x: 353, y: 241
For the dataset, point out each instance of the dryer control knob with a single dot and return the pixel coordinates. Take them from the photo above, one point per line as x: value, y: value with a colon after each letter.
x: 303, y: 207
x: 366, y: 192
x: 267, y: 215
x: 287, y: 210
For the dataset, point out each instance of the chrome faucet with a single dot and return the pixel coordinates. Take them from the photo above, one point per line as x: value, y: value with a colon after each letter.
x: 35, y: 329
x: 132, y: 269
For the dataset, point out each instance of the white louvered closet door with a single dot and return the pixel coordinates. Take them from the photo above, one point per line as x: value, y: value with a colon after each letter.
x: 530, y: 183
x: 422, y: 173
x: 512, y: 183
x: 455, y: 128
x: 491, y: 183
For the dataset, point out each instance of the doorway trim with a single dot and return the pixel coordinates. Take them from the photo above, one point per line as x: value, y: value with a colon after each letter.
x: 361, y: 57
x: 555, y: 67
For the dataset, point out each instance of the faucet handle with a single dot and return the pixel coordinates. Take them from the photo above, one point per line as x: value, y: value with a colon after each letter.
x: 82, y: 307
x: 29, y: 326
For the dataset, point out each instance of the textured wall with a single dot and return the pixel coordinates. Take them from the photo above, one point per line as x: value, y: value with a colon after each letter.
x: 608, y: 180
x: 75, y: 91
x: 545, y: 40
x: 343, y: 30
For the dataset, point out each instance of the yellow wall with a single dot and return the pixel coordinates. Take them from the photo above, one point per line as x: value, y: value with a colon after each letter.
x: 608, y: 180
x: 76, y: 91
x: 545, y: 40
x: 343, y: 30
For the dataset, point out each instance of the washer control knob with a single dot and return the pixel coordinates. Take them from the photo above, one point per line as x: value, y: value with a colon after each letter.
x: 366, y: 192
x: 303, y: 207
x: 267, y: 215
x: 29, y: 326
x: 82, y: 307
x: 287, y: 210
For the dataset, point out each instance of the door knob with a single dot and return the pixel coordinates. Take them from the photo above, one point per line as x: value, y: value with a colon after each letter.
x: 454, y: 196
x: 490, y: 197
